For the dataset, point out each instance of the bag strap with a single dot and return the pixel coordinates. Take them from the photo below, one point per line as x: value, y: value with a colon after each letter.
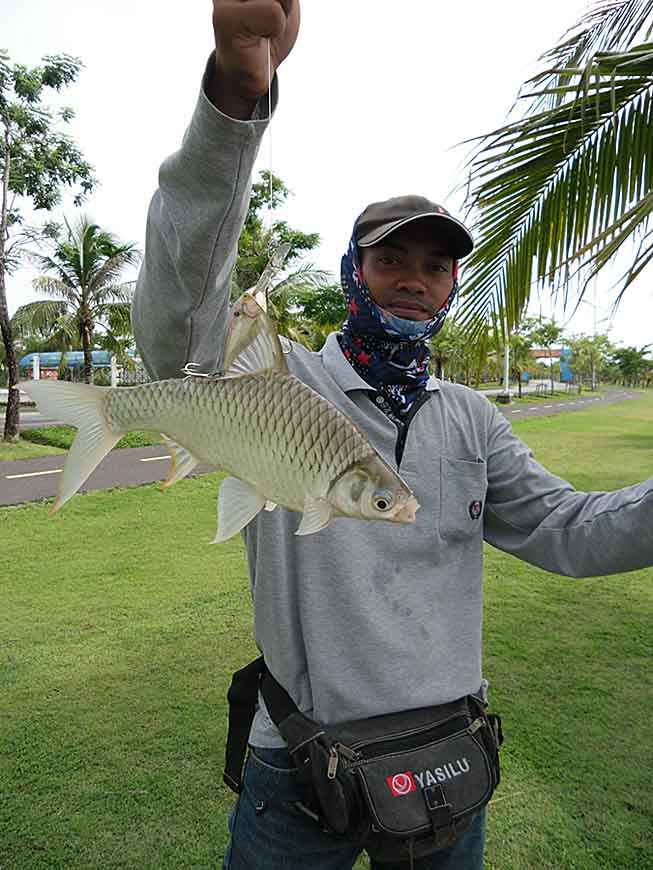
x: 242, y: 697
x: 295, y: 728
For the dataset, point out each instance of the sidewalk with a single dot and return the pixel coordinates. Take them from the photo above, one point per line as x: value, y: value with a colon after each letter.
x: 24, y: 398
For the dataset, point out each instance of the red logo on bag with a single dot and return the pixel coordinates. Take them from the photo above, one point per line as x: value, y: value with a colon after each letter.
x: 401, y: 783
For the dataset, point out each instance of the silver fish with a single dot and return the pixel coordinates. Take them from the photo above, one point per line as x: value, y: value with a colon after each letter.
x: 279, y: 440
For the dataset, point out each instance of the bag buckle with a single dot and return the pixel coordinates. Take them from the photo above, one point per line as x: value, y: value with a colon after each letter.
x: 438, y: 808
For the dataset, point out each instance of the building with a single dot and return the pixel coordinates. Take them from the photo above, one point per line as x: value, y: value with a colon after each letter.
x: 49, y: 363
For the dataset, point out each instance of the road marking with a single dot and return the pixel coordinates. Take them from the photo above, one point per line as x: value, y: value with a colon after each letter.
x: 33, y: 474
x: 154, y: 458
x: 516, y: 412
x: 548, y: 406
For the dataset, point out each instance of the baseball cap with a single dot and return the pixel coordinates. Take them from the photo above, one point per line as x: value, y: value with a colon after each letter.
x: 382, y: 218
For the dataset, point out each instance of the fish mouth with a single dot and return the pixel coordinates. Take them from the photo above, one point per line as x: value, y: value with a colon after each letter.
x: 407, y: 511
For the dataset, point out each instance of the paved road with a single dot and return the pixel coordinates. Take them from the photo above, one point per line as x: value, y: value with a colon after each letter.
x: 35, y: 479
x: 545, y: 407
x: 30, y: 480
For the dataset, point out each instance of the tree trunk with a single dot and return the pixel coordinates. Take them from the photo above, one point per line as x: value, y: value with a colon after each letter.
x: 12, y: 417
x: 551, y: 370
x: 438, y: 367
x: 88, y: 359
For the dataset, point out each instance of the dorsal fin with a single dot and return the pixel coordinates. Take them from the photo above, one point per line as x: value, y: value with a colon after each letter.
x: 264, y: 283
x: 252, y: 344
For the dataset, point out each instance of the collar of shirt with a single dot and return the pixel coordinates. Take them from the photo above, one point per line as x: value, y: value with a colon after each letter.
x: 343, y: 373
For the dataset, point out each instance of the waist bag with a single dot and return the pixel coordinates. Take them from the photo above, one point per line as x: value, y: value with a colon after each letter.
x: 400, y: 785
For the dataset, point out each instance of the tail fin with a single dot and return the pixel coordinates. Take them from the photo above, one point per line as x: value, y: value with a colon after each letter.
x: 82, y: 406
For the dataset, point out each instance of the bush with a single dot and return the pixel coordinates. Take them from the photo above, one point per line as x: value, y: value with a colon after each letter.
x: 102, y: 377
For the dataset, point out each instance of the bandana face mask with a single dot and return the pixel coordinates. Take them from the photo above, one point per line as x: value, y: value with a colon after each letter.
x: 404, y: 330
x: 387, y: 351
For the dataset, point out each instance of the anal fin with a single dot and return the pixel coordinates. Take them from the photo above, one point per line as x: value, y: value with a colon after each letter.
x: 182, y: 463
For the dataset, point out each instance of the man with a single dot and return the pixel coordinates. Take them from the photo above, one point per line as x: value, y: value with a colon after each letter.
x: 361, y: 619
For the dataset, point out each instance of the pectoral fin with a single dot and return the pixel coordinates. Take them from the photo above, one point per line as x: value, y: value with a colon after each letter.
x: 317, y: 514
x: 182, y: 462
x: 238, y: 504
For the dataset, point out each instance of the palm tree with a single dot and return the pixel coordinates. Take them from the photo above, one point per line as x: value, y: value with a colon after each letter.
x: 558, y: 193
x: 83, y: 274
x: 521, y: 358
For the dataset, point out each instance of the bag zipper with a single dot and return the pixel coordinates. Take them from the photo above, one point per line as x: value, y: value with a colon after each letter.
x: 424, y: 729
x: 337, y: 749
x: 335, y: 752
x: 383, y: 745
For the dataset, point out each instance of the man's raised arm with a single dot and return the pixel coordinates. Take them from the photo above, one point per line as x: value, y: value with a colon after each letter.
x: 197, y: 213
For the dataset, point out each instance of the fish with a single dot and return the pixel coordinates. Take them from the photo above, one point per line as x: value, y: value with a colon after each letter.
x: 280, y: 442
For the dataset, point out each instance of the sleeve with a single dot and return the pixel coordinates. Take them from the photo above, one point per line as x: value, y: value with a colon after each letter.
x: 542, y: 519
x: 194, y: 222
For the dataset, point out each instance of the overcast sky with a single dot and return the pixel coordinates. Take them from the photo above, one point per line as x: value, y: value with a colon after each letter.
x: 374, y: 99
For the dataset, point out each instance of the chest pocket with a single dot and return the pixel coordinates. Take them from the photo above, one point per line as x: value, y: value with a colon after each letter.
x: 463, y: 486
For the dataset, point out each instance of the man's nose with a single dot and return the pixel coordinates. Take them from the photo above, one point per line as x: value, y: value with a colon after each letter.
x: 412, y: 284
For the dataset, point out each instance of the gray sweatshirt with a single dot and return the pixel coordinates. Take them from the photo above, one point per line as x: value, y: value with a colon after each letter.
x: 365, y: 618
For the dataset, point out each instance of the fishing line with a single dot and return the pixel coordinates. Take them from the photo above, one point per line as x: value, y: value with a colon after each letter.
x: 270, y: 137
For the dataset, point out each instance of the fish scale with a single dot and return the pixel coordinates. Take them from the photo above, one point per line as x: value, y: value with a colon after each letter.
x: 262, y: 417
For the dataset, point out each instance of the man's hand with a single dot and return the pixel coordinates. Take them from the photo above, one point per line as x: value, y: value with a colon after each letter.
x: 242, y: 29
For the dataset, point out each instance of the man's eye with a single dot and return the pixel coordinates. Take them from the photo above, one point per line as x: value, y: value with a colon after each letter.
x: 389, y: 261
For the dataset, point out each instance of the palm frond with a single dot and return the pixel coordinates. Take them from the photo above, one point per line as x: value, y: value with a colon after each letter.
x: 48, y: 264
x: 41, y: 318
x: 609, y: 25
x: 304, y: 277
x: 116, y: 317
x: 123, y: 293
x: 51, y: 286
x: 111, y: 269
x: 559, y: 192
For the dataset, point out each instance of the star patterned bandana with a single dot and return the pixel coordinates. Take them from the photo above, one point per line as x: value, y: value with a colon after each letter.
x: 388, y: 352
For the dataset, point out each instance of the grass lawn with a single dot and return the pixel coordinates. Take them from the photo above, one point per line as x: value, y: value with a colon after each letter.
x: 120, y: 628
x: 46, y: 440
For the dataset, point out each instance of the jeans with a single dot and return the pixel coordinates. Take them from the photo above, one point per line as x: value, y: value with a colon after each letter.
x: 269, y: 833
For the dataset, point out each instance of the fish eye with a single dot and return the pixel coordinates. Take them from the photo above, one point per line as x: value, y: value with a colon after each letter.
x: 383, y: 500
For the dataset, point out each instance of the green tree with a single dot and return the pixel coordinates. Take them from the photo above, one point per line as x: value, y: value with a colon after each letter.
x: 521, y: 358
x: 83, y: 274
x: 455, y: 355
x: 316, y: 312
x: 559, y: 192
x: 255, y: 245
x: 37, y: 162
x: 632, y: 364
x: 589, y: 355
x: 256, y: 241
x: 544, y: 334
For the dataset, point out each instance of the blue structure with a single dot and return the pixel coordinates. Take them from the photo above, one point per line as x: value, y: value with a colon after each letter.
x: 566, y: 374
x: 74, y: 359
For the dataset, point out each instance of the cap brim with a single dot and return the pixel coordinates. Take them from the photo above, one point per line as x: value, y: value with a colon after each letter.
x: 458, y: 237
